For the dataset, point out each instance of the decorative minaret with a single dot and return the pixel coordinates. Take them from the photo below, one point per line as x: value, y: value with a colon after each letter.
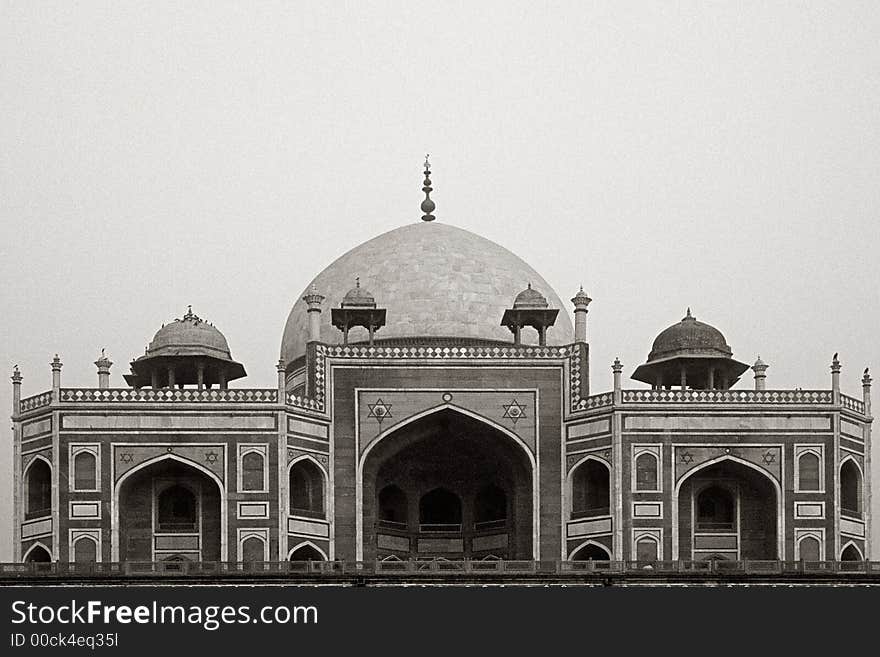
x: 866, y: 392
x: 760, y: 369
x: 835, y: 379
x: 617, y: 369
x: 282, y: 383
x: 56, y: 376
x: 314, y: 301
x: 16, y: 391
x: 103, y: 364
x: 428, y: 205
x: 580, y: 301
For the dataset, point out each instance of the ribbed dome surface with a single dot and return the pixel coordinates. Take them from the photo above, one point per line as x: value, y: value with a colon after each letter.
x: 435, y: 280
x: 190, y: 336
x: 689, y: 337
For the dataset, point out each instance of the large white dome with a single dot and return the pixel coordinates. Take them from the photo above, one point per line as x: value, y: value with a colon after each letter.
x: 436, y: 280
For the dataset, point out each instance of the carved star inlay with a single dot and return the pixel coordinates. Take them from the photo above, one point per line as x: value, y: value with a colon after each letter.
x: 211, y: 457
x: 379, y: 410
x: 687, y: 458
x: 126, y: 457
x: 514, y: 411
x: 769, y: 457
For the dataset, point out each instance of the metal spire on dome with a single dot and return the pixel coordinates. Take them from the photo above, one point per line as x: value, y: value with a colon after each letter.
x: 428, y: 205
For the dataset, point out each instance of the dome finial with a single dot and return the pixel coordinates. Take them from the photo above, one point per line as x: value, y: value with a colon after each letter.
x: 428, y: 205
x: 689, y: 316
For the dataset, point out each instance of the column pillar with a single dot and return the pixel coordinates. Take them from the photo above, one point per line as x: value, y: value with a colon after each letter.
x: 221, y: 375
x: 760, y: 369
x: 56, y: 376
x: 103, y: 364
x: 835, y: 380
x: 16, y: 392
x: 683, y: 378
x: 170, y: 376
x: 313, y: 301
x: 517, y: 335
x: 154, y: 378
x: 866, y: 392
x: 542, y: 336
x: 282, y: 382
x: 580, y: 301
x: 617, y: 369
x: 200, y: 376
x: 711, y: 384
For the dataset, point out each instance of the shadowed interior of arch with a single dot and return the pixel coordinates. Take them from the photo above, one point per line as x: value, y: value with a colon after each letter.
x: 447, y: 485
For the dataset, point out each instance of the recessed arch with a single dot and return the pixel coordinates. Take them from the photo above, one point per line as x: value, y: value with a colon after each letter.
x: 33, y: 554
x: 647, y: 469
x: 117, y: 487
x: 82, y: 554
x: 851, y: 493
x: 576, y: 498
x: 37, y: 487
x: 643, y: 540
x: 851, y: 552
x: 307, y: 484
x: 780, y: 521
x: 306, y: 544
x: 590, y: 544
x: 392, y: 430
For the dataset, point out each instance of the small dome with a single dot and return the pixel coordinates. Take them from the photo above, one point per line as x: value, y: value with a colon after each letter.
x: 689, y: 337
x: 358, y: 297
x: 189, y: 336
x: 529, y: 298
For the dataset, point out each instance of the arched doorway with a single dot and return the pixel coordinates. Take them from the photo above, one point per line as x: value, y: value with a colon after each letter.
x: 38, y: 554
x: 306, y: 552
x: 850, y: 489
x: 447, y: 485
x: 851, y: 553
x: 591, y: 552
x: 38, y: 489
x: 727, y: 510
x: 169, y: 509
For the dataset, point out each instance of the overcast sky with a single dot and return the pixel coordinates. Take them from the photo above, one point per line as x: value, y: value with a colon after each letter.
x: 722, y: 156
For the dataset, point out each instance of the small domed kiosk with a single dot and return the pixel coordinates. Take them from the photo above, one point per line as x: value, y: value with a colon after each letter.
x: 690, y: 354
x: 188, y: 351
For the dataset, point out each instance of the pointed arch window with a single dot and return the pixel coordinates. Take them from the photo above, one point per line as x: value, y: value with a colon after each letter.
x: 591, y: 490
x: 38, y: 487
x: 647, y: 476
x: 850, y: 489
x: 306, y: 488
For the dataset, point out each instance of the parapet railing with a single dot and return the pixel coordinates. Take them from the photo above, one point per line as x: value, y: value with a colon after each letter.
x: 461, y: 568
x: 730, y: 396
x: 34, y: 402
x: 130, y: 395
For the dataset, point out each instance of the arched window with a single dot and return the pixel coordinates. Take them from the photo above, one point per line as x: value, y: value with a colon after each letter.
x: 177, y: 510
x: 646, y: 471
x: 808, y: 472
x: 252, y: 472
x: 716, y: 510
x: 440, y: 510
x: 253, y: 549
x: 39, y: 489
x: 85, y: 550
x: 850, y: 553
x: 646, y: 549
x: 809, y: 549
x: 38, y: 554
x: 393, y: 506
x: 590, y: 487
x: 591, y: 552
x: 306, y: 553
x: 490, y: 507
x: 85, y: 471
x: 850, y: 489
x: 306, y: 489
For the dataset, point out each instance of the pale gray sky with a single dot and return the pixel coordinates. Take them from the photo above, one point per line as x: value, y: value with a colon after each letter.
x: 722, y: 156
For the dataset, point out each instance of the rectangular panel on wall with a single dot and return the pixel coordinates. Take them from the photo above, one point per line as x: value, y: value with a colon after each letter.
x: 308, y: 527
x: 809, y: 510
x: 441, y: 545
x: 703, y: 423
x: 85, y: 510
x: 36, y: 527
x: 714, y: 542
x: 295, y: 425
x: 851, y: 429
x: 182, y: 542
x: 166, y: 422
x: 36, y: 428
x: 396, y: 543
x: 852, y: 527
x: 589, y: 527
x: 253, y: 510
x: 596, y: 427
x: 493, y: 542
x: 647, y: 509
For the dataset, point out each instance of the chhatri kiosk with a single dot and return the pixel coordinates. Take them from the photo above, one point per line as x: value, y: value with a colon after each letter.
x: 433, y: 403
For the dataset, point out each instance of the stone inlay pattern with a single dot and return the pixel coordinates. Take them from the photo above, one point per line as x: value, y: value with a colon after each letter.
x: 36, y: 401
x: 732, y: 396
x: 238, y: 395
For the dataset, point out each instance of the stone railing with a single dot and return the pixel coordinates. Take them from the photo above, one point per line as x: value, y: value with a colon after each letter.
x: 594, y: 401
x: 853, y: 404
x: 306, y: 403
x: 728, y: 396
x: 134, y: 395
x: 446, y: 352
x: 37, y: 401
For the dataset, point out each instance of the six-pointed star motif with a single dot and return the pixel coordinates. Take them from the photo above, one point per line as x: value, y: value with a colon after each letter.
x: 211, y: 457
x: 125, y: 457
x: 514, y: 411
x: 687, y: 458
x: 379, y: 410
